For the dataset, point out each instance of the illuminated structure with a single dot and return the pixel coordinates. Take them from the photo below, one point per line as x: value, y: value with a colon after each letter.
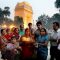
x: 24, y: 10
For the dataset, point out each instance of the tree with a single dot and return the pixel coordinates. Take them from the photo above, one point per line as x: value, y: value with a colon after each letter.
x: 6, y: 11
x: 18, y: 20
x: 3, y: 16
x: 56, y: 17
x: 1, y: 13
x: 44, y: 19
x: 57, y: 3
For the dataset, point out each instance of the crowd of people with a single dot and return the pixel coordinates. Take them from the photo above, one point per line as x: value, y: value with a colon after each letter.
x: 30, y: 43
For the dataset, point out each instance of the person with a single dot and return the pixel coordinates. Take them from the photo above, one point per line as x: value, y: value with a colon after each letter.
x: 58, y: 42
x: 16, y: 33
x: 8, y: 35
x: 30, y: 28
x: 27, y: 45
x: 54, y: 41
x: 3, y: 42
x: 39, y: 26
x: 21, y: 31
x: 58, y: 48
x: 37, y: 33
x: 12, y: 49
x: 42, y: 50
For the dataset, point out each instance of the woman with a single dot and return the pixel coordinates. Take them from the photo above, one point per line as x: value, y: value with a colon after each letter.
x: 3, y: 40
x: 42, y: 50
x: 8, y: 35
x: 16, y: 33
x: 3, y: 43
x: 27, y: 45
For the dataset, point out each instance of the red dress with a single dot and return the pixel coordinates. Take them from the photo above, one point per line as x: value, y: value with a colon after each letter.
x: 27, y: 48
x: 8, y: 36
x: 27, y: 51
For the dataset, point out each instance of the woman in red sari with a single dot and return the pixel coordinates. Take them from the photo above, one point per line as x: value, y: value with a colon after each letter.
x: 8, y: 35
x: 16, y: 33
x: 27, y: 45
x: 3, y: 42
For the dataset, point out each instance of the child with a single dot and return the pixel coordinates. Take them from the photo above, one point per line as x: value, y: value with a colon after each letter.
x: 13, y: 49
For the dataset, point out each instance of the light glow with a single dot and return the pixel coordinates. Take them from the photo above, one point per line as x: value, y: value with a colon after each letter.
x: 11, y: 26
x: 4, y: 26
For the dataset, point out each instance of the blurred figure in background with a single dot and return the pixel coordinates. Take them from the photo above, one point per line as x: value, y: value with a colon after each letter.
x: 30, y: 28
x: 21, y: 30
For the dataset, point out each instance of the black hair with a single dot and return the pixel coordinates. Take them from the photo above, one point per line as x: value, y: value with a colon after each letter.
x: 26, y: 29
x: 13, y: 37
x: 57, y: 24
x: 44, y: 30
x: 21, y: 25
x: 2, y: 30
x: 39, y: 22
x: 29, y: 24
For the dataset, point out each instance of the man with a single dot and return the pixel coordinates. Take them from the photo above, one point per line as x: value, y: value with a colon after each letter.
x: 30, y: 28
x: 39, y: 26
x: 37, y: 34
x: 54, y: 41
x: 21, y: 31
